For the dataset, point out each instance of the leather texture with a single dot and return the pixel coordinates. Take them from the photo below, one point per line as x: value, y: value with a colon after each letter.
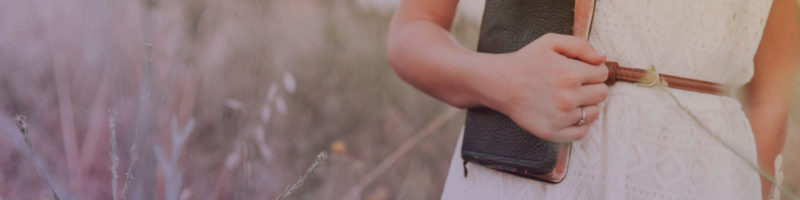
x: 492, y: 139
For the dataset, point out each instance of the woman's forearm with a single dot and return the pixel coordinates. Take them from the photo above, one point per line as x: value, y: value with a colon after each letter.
x: 545, y: 87
x: 425, y: 55
x: 769, y: 91
x: 769, y: 126
x: 769, y: 123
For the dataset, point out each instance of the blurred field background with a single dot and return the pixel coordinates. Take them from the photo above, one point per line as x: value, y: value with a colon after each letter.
x: 255, y: 88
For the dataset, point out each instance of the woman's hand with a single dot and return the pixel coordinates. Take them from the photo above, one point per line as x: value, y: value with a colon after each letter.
x: 543, y: 86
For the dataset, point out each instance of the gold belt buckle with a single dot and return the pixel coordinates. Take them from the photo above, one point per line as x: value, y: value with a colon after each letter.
x: 651, y: 78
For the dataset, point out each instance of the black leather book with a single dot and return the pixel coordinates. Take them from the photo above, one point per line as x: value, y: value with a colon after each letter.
x: 492, y: 139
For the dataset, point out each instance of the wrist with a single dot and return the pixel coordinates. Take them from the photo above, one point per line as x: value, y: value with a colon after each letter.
x: 482, y: 86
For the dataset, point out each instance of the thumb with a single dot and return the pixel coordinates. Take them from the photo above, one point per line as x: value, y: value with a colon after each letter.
x: 576, y: 48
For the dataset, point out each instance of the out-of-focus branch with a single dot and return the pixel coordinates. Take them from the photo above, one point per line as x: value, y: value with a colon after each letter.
x: 129, y: 175
x: 24, y: 145
x: 67, y: 121
x: 23, y: 129
x: 294, y: 187
x: 355, y: 191
x: 169, y: 163
x: 143, y: 126
x: 114, y: 156
x: 95, y: 125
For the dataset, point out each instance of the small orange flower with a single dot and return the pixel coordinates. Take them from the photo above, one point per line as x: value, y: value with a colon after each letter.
x: 338, y: 146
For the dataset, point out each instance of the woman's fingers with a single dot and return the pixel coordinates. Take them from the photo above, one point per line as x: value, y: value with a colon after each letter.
x: 574, y: 47
x: 592, y: 94
x: 572, y: 131
x: 549, y: 80
x: 560, y: 127
x: 586, y: 73
x: 591, y: 111
x: 594, y: 73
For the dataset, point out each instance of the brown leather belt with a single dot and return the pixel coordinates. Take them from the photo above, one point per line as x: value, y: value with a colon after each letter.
x: 633, y: 75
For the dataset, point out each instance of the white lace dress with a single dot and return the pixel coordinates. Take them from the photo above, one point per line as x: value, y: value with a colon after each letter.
x: 644, y: 146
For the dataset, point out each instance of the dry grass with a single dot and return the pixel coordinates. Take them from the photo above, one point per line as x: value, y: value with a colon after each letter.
x: 296, y: 186
x: 268, y: 83
x: 31, y: 153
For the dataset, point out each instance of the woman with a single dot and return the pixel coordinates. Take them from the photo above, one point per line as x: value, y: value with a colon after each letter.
x: 635, y: 141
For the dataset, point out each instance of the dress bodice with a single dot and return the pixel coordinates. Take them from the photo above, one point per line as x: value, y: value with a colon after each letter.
x: 712, y: 40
